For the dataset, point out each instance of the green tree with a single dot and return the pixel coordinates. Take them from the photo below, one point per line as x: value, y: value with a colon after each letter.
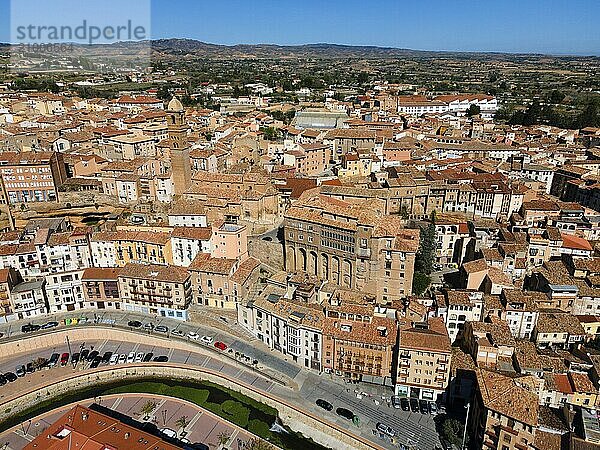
x: 427, y: 246
x: 270, y: 133
x: 420, y: 283
x: 556, y: 97
x: 452, y: 430
x: 473, y: 110
x: 148, y: 407
x: 182, y: 423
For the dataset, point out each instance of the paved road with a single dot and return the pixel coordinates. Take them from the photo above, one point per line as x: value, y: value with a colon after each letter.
x: 414, y: 429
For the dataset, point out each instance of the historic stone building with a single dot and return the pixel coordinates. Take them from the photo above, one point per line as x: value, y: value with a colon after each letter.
x: 354, y: 245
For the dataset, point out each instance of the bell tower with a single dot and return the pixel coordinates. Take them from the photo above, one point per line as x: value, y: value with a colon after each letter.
x: 179, y: 148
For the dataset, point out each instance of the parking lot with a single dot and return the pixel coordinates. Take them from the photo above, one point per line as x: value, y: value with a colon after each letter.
x: 411, y: 428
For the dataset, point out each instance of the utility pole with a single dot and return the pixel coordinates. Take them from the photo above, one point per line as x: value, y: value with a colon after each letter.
x: 69, y: 345
x: 465, y: 430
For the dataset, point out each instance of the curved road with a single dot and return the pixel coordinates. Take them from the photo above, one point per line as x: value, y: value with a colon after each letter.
x: 412, y: 428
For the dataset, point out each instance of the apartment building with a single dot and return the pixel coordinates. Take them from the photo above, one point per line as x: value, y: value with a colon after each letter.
x: 160, y: 290
x: 28, y: 299
x: 118, y: 248
x: 290, y: 326
x: 503, y: 414
x: 360, y: 347
x: 221, y: 282
x: 131, y: 146
x: 188, y: 242
x: 309, y: 159
x: 101, y: 288
x: 521, y: 311
x: 64, y: 291
x: 347, y: 140
x: 424, y: 357
x: 452, y: 242
x: 31, y: 176
x: 352, y: 245
x: 462, y: 306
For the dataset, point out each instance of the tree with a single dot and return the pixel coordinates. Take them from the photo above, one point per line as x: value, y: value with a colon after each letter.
x: 452, y: 430
x: 420, y: 283
x: 259, y: 444
x: 270, y: 133
x: 473, y: 110
x: 224, y: 438
x: 182, y: 422
x: 556, y: 97
x: 426, y: 253
x: 148, y: 407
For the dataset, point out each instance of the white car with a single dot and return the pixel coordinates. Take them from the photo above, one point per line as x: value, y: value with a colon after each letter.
x: 207, y: 340
x: 114, y: 359
x: 177, y: 333
x: 122, y: 358
x: 131, y: 357
x: 193, y: 335
x: 139, y: 357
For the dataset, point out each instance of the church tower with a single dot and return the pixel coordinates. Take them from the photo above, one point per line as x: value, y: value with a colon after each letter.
x: 179, y: 148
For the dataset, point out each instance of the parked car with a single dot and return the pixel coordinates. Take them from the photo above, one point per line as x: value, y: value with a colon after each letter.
x: 161, y: 329
x: 220, y: 345
x: 382, y: 427
x: 137, y: 220
x: 324, y: 404
x: 96, y: 362
x: 131, y: 357
x: 29, y: 368
x: 20, y: 371
x: 193, y: 335
x: 414, y: 405
x: 114, y: 359
x: 161, y: 358
x: 148, y: 357
x: 207, y: 340
x: 75, y: 358
x: 423, y: 406
x: 106, y: 357
x: 53, y: 359
x: 29, y: 327
x: 122, y: 358
x: 139, y: 357
x: 64, y: 359
x: 92, y: 355
x: 177, y: 333
x: 3, y: 380
x: 396, y: 401
x: 345, y: 413
x: 49, y: 325
x: 84, y: 354
x: 134, y: 323
x: 404, y: 404
x: 149, y: 326
x: 10, y: 377
x: 432, y: 408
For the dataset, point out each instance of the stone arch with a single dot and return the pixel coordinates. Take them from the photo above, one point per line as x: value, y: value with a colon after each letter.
x: 301, y: 260
x: 313, y: 263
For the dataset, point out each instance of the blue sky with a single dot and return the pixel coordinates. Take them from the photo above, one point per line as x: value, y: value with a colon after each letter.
x: 546, y: 26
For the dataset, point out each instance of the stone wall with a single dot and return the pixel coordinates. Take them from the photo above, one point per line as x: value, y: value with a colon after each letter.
x: 270, y: 253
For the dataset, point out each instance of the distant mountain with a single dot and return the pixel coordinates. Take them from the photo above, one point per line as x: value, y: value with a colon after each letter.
x: 170, y: 47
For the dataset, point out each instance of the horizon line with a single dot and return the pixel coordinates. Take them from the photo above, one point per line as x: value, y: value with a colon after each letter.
x: 308, y: 44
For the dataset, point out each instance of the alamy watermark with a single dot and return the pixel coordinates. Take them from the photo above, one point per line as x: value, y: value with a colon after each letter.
x: 76, y: 35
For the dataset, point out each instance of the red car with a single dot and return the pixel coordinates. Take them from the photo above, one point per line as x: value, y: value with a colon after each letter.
x: 220, y: 345
x: 64, y: 359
